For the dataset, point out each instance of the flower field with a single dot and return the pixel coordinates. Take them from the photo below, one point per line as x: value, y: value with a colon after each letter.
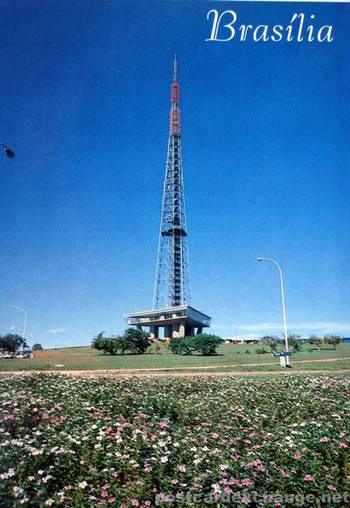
x: 201, y: 441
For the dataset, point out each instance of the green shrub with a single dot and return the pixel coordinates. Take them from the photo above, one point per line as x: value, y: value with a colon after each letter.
x: 206, y: 343
x: 203, y: 343
x: 133, y: 341
x: 261, y: 351
x: 297, y: 347
x: 272, y: 341
x: 182, y: 345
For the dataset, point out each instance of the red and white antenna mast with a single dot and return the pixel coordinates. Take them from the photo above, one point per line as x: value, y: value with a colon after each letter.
x: 171, y: 286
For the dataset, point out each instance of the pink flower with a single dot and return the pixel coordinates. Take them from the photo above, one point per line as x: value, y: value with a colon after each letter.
x: 246, y: 482
x: 182, y: 468
x: 297, y: 455
x: 227, y: 490
x: 343, y: 445
x: 331, y: 487
x: 324, y: 439
x: 175, y: 481
x: 134, y: 502
x: 308, y: 478
x: 214, y: 435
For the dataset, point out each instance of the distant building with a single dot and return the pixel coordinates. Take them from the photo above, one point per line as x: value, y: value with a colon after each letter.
x: 241, y: 340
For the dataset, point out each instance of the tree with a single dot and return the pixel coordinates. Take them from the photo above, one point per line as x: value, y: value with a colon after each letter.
x: 137, y: 340
x: 333, y: 340
x: 206, y: 343
x: 12, y: 342
x: 316, y: 340
x: 133, y: 341
x: 203, y: 343
x: 181, y: 345
x: 37, y: 347
x: 272, y: 341
x: 294, y: 342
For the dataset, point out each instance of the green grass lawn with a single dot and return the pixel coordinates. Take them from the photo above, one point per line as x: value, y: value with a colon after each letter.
x: 230, y: 356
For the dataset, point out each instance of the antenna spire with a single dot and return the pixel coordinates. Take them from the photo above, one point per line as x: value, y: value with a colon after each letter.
x: 175, y: 68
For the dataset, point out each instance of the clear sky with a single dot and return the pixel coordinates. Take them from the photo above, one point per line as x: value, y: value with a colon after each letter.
x: 84, y: 103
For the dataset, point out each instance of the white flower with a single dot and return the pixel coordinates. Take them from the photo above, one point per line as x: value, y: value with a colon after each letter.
x: 17, y: 491
x: 83, y: 484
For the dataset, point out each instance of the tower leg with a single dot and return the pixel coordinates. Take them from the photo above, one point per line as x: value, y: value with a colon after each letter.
x: 168, y: 332
x: 154, y: 332
x: 189, y: 331
x: 199, y: 330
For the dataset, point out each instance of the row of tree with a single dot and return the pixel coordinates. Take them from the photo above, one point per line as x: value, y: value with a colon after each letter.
x: 137, y: 342
x: 295, y: 341
x: 132, y: 342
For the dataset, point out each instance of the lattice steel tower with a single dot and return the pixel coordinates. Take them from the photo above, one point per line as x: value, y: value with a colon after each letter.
x: 171, y: 288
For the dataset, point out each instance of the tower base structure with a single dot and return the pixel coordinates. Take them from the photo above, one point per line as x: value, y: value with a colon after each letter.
x: 180, y: 321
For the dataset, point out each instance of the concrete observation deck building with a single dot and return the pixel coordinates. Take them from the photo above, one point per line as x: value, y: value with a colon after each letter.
x: 171, y: 298
x: 180, y: 321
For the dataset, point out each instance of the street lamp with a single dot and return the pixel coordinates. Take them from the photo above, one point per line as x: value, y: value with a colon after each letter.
x: 10, y: 153
x: 283, y: 304
x: 25, y: 323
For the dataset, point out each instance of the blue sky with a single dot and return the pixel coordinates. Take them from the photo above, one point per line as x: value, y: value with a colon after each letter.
x: 85, y: 98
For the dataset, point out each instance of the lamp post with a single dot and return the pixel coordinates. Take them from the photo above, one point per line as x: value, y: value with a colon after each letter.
x: 283, y: 304
x: 10, y: 153
x: 25, y: 323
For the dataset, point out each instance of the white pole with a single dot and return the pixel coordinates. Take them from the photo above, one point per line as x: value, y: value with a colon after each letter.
x: 283, y: 304
x: 24, y: 326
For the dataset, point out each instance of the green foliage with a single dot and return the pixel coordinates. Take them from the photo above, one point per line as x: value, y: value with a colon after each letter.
x: 260, y: 351
x: 293, y: 340
x: 133, y: 341
x: 316, y: 341
x: 272, y: 341
x: 12, y: 342
x: 37, y: 347
x: 181, y: 345
x: 136, y: 340
x: 333, y: 340
x: 203, y: 343
x: 297, y: 347
x: 206, y: 343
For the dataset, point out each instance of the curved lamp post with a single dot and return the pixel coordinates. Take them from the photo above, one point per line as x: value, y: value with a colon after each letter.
x: 283, y: 304
x: 10, y: 153
x: 25, y: 323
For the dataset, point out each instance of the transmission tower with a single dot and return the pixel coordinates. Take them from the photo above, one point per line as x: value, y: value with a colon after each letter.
x: 171, y: 288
